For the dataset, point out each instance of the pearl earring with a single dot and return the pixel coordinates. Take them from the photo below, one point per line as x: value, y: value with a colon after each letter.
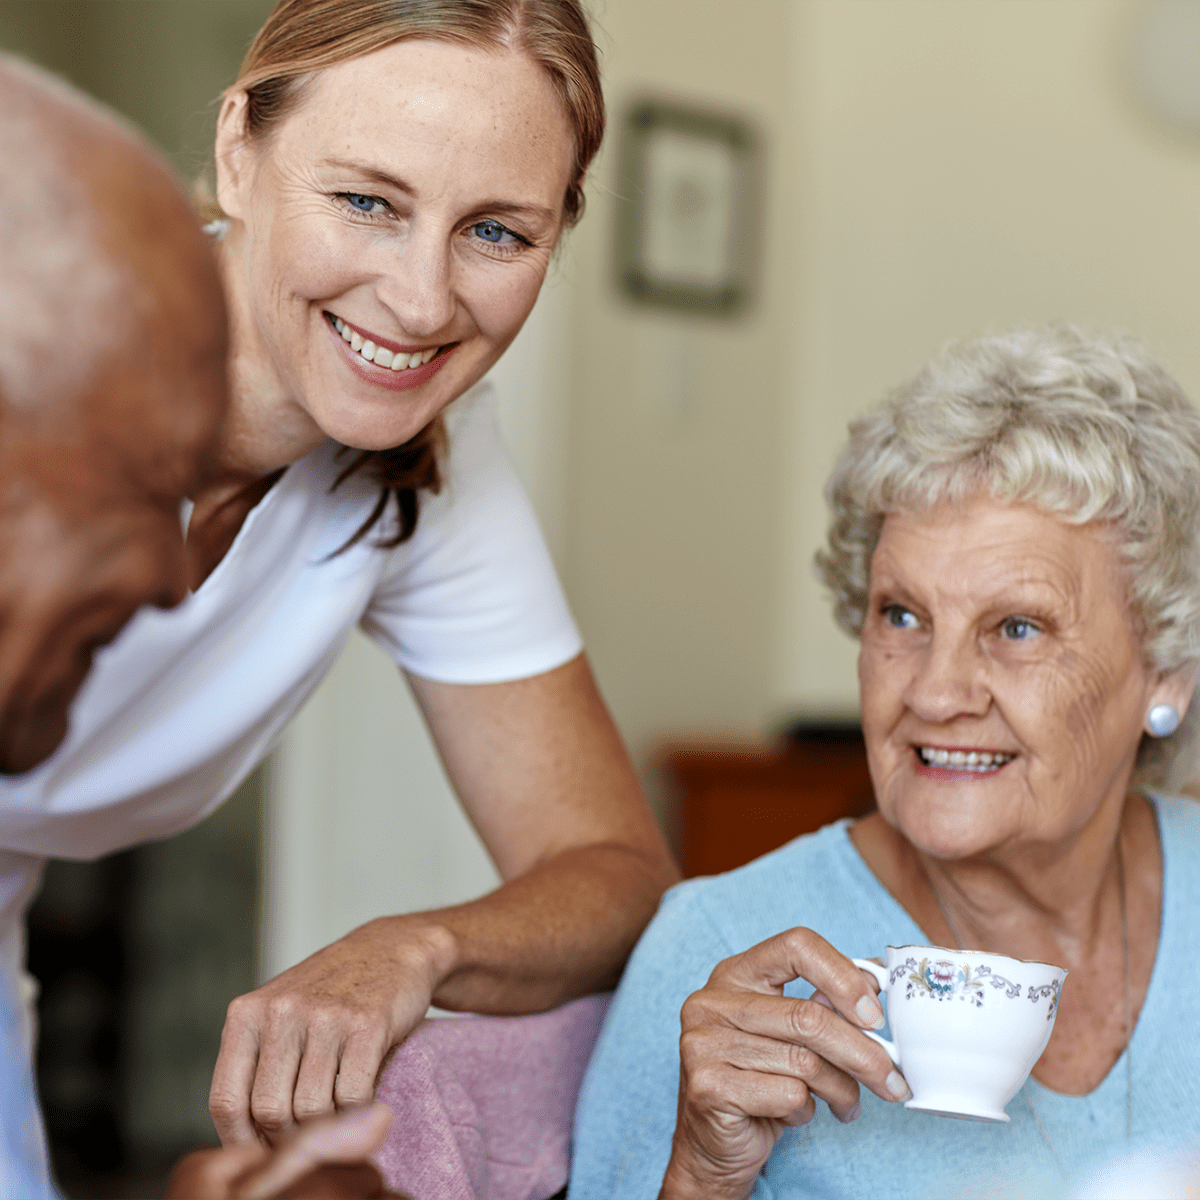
x: 1163, y: 720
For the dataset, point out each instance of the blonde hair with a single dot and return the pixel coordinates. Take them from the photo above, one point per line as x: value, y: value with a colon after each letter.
x: 1087, y: 427
x: 302, y: 36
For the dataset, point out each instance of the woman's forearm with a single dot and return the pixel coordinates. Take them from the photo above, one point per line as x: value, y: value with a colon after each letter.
x: 545, y: 780
x: 561, y: 930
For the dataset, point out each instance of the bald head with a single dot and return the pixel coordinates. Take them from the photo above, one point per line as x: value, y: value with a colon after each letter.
x: 56, y: 273
x: 93, y: 232
x: 112, y: 388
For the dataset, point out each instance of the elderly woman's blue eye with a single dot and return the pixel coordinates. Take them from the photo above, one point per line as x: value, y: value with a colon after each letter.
x: 899, y: 618
x: 1017, y: 630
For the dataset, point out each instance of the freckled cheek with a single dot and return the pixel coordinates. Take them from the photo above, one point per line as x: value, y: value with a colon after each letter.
x: 1114, y: 724
x: 324, y: 278
x: 882, y: 678
x: 501, y: 306
x: 304, y: 264
x: 868, y: 664
x: 880, y: 692
x: 1063, y: 718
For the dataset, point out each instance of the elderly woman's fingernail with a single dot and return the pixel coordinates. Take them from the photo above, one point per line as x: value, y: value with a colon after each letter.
x: 854, y: 1113
x: 897, y: 1086
x: 869, y: 1012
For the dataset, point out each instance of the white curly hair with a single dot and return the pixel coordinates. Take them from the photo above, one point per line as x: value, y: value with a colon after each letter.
x: 1087, y: 427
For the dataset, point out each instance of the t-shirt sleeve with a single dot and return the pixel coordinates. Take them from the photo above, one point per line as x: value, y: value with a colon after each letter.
x: 473, y: 597
x: 625, y: 1117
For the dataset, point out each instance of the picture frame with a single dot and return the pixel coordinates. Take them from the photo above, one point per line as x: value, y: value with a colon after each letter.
x: 687, y: 210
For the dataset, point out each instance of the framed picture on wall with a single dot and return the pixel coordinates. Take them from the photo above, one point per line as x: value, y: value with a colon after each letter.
x: 687, y: 209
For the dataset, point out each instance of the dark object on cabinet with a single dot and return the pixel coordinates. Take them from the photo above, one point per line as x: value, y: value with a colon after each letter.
x: 736, y: 801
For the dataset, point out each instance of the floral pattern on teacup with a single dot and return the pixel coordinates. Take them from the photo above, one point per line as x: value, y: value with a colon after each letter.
x: 1050, y: 989
x: 944, y: 980
x: 1011, y: 990
x: 941, y: 979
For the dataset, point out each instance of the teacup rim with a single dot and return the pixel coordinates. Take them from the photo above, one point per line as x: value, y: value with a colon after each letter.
x: 1025, y: 962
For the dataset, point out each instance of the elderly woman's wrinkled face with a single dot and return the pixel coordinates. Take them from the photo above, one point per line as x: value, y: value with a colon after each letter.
x: 1003, y: 683
x: 398, y: 227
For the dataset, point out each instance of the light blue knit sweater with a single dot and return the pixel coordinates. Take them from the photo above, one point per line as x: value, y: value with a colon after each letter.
x: 626, y: 1112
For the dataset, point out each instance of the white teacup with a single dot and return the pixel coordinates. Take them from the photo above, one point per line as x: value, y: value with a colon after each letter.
x: 968, y: 1026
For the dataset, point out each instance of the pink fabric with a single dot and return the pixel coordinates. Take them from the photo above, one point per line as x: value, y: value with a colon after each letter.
x: 484, y: 1104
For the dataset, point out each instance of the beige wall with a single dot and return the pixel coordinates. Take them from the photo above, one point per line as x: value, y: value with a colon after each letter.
x: 936, y: 168
x: 966, y: 164
x: 674, y: 497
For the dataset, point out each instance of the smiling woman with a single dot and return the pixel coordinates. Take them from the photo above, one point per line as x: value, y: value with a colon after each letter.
x: 1033, y: 640
x: 1016, y: 541
x: 430, y: 236
x: 394, y: 178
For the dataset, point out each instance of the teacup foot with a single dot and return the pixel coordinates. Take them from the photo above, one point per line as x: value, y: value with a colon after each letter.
x: 961, y: 1111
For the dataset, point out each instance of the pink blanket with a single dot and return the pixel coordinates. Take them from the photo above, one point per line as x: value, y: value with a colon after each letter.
x: 484, y: 1104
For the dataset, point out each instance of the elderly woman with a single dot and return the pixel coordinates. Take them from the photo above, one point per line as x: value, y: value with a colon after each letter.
x: 394, y: 179
x: 1016, y: 542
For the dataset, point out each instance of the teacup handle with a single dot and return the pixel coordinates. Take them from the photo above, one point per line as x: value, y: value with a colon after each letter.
x: 881, y: 975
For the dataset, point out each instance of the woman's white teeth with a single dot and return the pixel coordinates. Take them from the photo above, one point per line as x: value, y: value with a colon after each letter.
x: 400, y: 361
x: 964, y: 760
x: 380, y: 355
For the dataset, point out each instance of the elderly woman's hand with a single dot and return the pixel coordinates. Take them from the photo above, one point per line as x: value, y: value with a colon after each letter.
x: 753, y: 1060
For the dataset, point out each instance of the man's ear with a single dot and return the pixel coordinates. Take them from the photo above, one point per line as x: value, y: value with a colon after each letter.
x: 233, y: 155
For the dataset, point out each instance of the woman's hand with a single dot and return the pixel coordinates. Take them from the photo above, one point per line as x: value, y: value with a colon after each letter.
x: 312, y: 1039
x: 543, y: 775
x: 753, y: 1060
x: 328, y: 1159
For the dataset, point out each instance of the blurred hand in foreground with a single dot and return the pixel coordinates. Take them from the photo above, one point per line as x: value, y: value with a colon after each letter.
x: 324, y: 1159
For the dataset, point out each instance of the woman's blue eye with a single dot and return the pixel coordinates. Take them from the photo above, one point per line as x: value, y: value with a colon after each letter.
x: 365, y: 204
x: 899, y: 618
x: 1016, y: 629
x: 492, y: 231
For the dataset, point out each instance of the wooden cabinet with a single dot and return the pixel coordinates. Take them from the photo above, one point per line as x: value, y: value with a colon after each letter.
x: 735, y: 802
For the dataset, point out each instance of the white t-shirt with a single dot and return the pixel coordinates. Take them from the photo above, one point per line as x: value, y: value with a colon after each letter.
x: 182, y: 706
